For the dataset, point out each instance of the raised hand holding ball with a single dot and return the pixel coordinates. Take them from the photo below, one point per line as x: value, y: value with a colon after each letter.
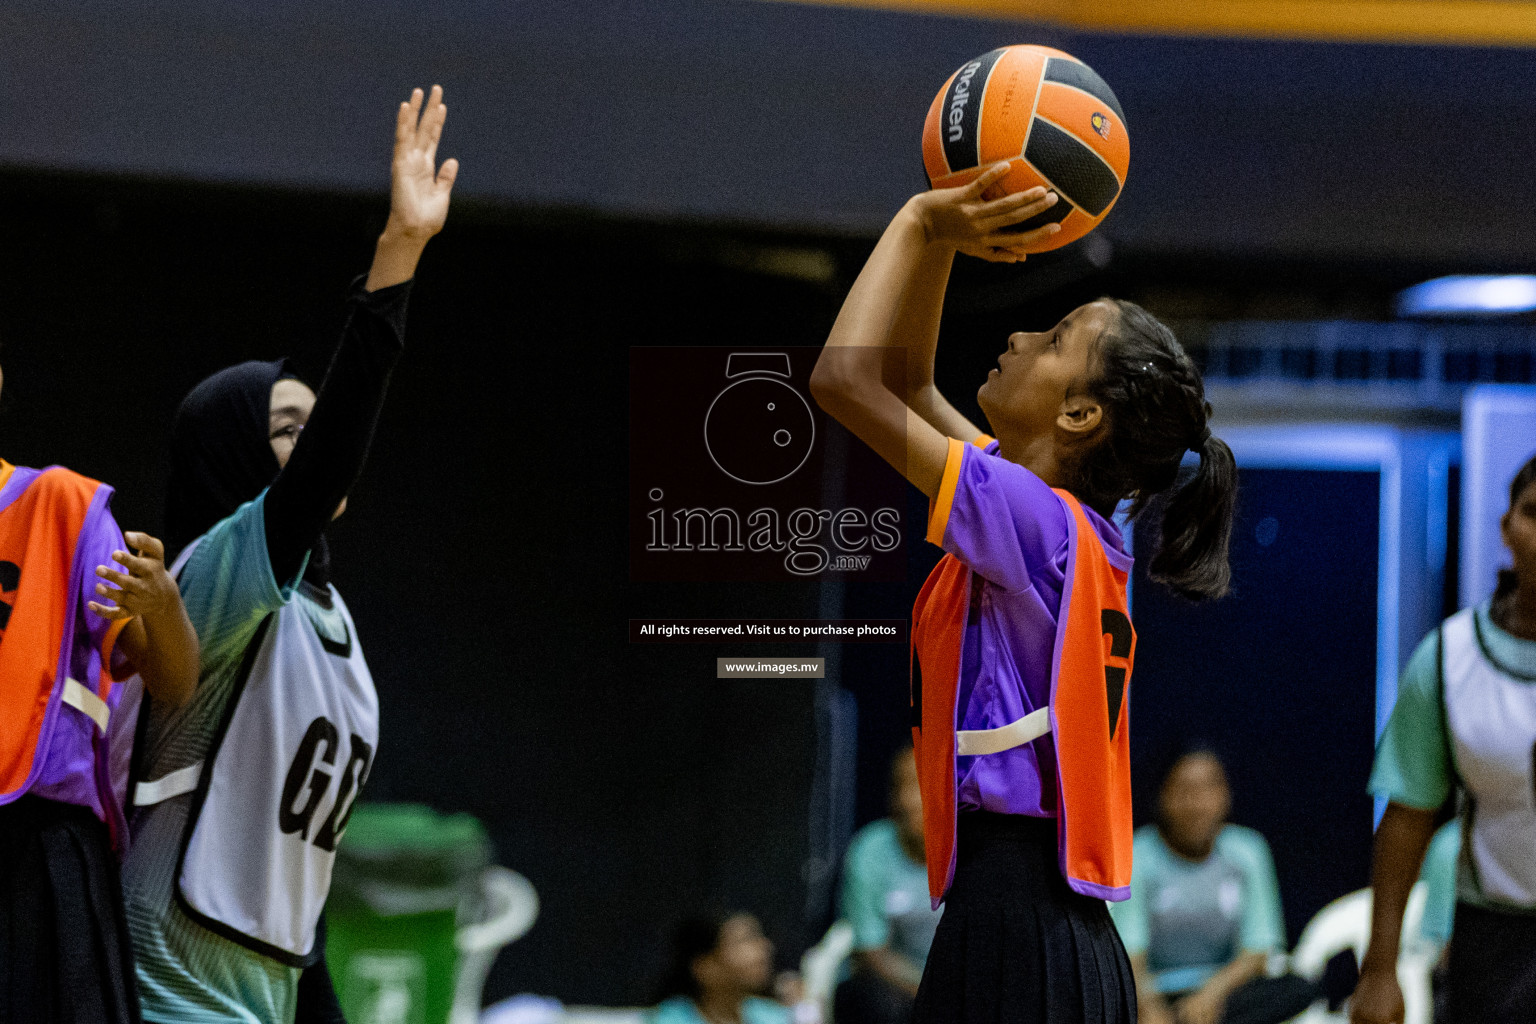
x: 1055, y: 122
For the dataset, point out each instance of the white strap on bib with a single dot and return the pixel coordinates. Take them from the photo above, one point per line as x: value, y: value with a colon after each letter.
x: 94, y: 708
x: 182, y: 780
x: 969, y: 742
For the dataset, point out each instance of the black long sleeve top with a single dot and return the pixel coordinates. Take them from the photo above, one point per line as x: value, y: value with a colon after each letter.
x: 330, y: 452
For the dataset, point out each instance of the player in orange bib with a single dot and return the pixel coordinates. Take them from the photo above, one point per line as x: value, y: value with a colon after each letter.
x: 79, y: 616
x: 1023, y: 646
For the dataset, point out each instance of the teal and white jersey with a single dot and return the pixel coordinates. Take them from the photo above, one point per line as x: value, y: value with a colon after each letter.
x: 1466, y: 716
x: 244, y: 791
x: 1191, y: 919
x: 885, y: 895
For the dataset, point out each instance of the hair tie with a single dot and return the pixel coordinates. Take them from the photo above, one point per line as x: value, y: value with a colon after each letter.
x: 1199, y: 442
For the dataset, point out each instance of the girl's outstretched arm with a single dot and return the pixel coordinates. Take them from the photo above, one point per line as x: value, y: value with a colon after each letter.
x: 330, y: 453
x: 418, y: 190
x: 915, y: 339
x: 891, y: 317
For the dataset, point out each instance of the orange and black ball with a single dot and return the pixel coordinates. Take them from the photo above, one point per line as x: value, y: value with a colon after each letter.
x: 1050, y: 116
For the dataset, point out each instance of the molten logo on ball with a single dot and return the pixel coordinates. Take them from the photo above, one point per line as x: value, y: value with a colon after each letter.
x: 1050, y: 116
x: 759, y: 430
x: 957, y: 102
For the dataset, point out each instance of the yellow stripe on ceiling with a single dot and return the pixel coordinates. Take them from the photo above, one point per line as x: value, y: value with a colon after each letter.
x: 1446, y: 22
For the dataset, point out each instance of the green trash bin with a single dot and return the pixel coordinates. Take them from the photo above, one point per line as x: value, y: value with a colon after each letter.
x: 405, y: 877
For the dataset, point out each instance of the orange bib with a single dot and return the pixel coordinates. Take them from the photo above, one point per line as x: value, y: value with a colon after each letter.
x: 1089, y: 713
x: 39, y: 580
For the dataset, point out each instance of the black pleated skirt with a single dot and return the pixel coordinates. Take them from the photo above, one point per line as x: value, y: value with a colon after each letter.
x: 1492, y: 971
x: 1015, y: 944
x: 64, y: 954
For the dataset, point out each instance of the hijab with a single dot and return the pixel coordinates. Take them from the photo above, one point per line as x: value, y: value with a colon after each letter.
x: 221, y: 454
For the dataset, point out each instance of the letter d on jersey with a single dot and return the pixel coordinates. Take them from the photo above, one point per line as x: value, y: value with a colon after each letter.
x: 303, y: 770
x: 352, y: 778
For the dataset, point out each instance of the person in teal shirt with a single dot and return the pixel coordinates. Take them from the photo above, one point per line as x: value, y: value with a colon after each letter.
x: 1465, y: 724
x: 1204, y: 913
x: 885, y: 898
x: 721, y: 965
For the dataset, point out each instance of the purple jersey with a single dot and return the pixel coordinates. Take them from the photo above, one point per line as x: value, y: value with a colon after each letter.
x: 1006, y: 524
x: 79, y: 759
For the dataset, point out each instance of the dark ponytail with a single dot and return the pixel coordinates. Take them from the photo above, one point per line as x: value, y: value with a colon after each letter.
x: 1154, y: 411
x: 1508, y: 581
x: 1197, y: 524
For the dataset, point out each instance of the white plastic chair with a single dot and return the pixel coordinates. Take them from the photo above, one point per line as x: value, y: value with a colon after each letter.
x: 820, y: 965
x: 511, y: 907
x: 1346, y: 924
x: 532, y: 1009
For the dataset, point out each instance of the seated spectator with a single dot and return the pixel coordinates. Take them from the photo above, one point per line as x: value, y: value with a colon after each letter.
x: 885, y: 898
x: 1204, y: 912
x: 720, y: 966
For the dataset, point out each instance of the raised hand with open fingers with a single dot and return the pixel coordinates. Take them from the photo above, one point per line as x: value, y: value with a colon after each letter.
x: 965, y: 220
x: 419, y: 189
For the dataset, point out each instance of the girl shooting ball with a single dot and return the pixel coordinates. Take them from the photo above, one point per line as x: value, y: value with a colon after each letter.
x: 1023, y: 645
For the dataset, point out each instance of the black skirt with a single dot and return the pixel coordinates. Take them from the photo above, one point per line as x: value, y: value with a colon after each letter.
x: 1492, y: 971
x: 64, y: 954
x: 1015, y: 944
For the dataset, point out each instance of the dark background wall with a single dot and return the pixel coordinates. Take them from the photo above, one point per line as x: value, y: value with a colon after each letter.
x: 775, y: 113
x: 1277, y: 677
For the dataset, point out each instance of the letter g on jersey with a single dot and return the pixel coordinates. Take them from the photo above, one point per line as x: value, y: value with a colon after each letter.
x: 304, y: 769
x: 323, y: 739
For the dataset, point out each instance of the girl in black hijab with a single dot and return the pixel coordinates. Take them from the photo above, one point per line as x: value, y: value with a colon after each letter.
x: 247, y: 788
